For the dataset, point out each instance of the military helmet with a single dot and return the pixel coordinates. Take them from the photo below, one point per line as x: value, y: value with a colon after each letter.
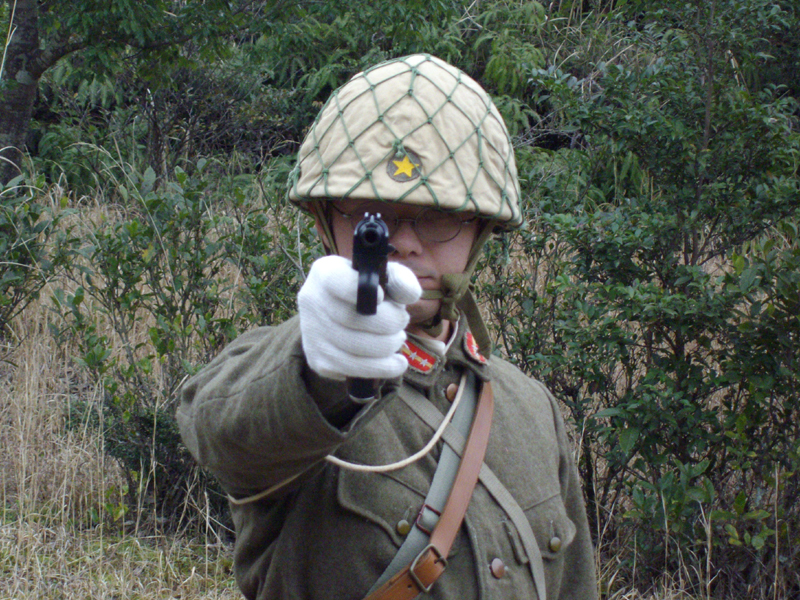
x: 414, y: 130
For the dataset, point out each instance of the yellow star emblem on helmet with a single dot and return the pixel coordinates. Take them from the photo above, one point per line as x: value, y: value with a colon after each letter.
x: 405, y: 166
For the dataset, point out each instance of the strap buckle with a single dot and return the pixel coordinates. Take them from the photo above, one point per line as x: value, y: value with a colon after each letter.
x: 439, y: 559
x: 421, y: 518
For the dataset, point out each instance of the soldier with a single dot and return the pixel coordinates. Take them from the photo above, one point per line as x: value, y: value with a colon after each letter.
x: 455, y: 478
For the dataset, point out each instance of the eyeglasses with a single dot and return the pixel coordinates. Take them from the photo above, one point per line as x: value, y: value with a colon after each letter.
x: 430, y: 224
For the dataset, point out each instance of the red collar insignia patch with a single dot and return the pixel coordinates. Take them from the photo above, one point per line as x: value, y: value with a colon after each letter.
x: 417, y: 358
x: 471, y: 348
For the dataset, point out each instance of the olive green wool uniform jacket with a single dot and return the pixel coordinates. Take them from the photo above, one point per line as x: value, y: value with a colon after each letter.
x: 257, y: 415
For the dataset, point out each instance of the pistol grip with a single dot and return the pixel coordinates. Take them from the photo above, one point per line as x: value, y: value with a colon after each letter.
x: 367, y: 299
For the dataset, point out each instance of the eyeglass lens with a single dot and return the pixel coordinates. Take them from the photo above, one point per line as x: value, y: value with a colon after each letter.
x: 429, y: 224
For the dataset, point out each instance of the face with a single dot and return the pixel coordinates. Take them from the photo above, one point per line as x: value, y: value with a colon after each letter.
x: 428, y: 260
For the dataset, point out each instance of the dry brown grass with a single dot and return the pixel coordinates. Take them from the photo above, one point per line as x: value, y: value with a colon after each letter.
x: 57, y: 538
x: 41, y: 561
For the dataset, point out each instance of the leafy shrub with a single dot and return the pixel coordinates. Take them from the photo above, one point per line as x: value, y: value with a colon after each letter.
x: 170, y: 264
x: 632, y: 298
x: 26, y: 225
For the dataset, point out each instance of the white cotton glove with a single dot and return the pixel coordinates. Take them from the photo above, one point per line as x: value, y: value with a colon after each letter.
x: 337, y: 341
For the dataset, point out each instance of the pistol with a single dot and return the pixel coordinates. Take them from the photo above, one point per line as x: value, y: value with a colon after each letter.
x: 370, y: 252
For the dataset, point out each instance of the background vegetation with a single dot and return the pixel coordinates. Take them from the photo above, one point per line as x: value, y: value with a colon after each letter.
x: 655, y: 289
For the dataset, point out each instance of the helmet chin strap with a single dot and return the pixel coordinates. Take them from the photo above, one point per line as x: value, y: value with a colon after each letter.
x: 457, y: 297
x: 322, y: 216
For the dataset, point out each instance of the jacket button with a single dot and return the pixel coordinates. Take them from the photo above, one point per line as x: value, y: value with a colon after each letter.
x: 555, y: 544
x: 497, y: 568
x: 403, y: 527
x: 451, y: 391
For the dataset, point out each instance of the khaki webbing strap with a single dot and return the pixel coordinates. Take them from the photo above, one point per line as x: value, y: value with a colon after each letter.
x: 429, y: 564
x: 443, y: 477
x: 453, y: 438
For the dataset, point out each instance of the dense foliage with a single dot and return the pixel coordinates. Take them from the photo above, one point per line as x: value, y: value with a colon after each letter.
x: 663, y: 249
x: 655, y: 289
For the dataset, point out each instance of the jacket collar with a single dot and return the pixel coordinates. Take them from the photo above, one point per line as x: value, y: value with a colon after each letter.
x: 425, y: 363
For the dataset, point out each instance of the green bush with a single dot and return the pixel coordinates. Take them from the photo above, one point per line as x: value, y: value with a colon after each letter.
x: 26, y: 225
x: 656, y: 292
x: 171, y: 264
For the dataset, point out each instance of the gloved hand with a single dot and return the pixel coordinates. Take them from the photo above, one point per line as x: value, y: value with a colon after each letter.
x: 337, y: 341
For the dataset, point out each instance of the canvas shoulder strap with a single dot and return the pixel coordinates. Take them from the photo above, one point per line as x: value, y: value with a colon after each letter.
x: 423, y: 556
x: 426, y: 411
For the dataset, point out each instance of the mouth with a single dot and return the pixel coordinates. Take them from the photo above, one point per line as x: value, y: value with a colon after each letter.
x: 427, y: 279
x: 428, y: 283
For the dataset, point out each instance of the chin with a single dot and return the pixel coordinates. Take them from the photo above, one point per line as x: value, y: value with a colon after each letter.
x: 423, y: 310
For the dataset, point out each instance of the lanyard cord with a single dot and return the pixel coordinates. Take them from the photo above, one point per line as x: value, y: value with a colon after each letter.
x: 414, y: 457
x: 367, y: 468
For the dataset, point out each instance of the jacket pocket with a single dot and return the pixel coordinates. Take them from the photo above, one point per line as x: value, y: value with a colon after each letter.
x: 381, y: 499
x: 553, y: 529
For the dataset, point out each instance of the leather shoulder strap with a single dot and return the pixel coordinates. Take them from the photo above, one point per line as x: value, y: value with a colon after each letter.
x: 420, y: 575
x: 453, y: 438
x: 441, y: 484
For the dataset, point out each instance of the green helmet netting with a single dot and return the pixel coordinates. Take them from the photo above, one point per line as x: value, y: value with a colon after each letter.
x: 417, y: 131
x: 413, y: 130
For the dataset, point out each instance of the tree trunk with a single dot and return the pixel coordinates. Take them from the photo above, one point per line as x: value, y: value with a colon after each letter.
x: 18, y: 87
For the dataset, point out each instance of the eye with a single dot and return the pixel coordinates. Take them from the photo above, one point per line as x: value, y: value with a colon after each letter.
x: 437, y: 226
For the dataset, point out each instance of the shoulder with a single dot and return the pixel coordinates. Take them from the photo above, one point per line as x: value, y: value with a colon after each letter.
x: 250, y: 357
x: 522, y: 394
x: 504, y: 374
x: 285, y: 333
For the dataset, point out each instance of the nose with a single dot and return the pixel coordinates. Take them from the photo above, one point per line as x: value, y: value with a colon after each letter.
x: 405, y: 240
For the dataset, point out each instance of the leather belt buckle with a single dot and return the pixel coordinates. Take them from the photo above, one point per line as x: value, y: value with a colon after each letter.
x: 439, y: 559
